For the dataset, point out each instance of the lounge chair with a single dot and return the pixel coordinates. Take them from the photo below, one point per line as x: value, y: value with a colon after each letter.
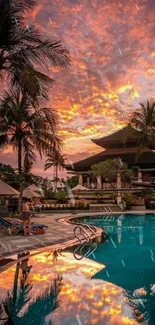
x: 13, y: 229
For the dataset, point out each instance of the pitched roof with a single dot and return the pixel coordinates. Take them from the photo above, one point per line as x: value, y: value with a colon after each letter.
x: 34, y: 188
x: 123, y: 134
x: 28, y: 193
x: 128, y: 155
x: 79, y: 187
x: 6, y: 189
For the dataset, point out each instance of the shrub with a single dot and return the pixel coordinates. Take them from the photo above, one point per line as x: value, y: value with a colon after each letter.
x: 152, y: 201
x: 128, y: 199
x: 60, y: 196
x: 152, y: 205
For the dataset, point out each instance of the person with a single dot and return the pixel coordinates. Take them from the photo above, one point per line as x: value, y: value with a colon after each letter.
x: 26, y: 216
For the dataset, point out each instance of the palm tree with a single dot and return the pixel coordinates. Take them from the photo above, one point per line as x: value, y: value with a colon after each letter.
x: 27, y: 129
x: 36, y: 309
x: 24, y: 51
x: 143, y: 305
x: 56, y: 160
x: 144, y: 120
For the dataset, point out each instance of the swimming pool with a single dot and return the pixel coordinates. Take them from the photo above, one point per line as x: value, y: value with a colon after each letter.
x: 98, y: 290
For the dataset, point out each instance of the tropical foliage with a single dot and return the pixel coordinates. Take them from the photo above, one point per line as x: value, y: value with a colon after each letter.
x: 143, y: 119
x: 143, y: 305
x: 27, y: 129
x: 25, y: 53
x: 57, y: 160
x: 71, y: 181
x: 109, y: 170
x: 19, y: 307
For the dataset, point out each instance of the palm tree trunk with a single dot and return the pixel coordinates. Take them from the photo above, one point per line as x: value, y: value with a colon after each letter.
x: 56, y: 177
x: 15, y: 288
x: 20, y: 174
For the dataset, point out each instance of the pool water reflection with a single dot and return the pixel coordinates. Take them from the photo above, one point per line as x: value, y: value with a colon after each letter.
x: 61, y: 292
x: 114, y: 286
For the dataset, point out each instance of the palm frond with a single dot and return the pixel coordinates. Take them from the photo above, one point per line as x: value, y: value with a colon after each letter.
x: 23, y: 294
x: 25, y: 51
x: 44, y: 304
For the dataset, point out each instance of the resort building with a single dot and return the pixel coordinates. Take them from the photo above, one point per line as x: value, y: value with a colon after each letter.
x: 121, y: 144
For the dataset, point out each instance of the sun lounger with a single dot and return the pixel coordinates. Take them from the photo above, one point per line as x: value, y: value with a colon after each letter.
x: 9, y: 228
x: 13, y: 229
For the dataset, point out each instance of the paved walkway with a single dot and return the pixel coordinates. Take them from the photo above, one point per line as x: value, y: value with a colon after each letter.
x: 57, y: 233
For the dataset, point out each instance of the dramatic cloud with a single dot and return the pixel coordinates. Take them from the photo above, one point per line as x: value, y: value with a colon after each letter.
x: 111, y: 43
x: 113, y: 53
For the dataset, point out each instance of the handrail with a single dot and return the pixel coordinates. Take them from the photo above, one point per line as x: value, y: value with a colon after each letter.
x: 81, y: 247
x: 78, y: 257
x: 82, y: 232
x: 91, y: 229
x: 91, y: 252
x: 87, y: 237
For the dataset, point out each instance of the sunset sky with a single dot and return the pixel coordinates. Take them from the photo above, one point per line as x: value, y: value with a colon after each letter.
x: 112, y: 47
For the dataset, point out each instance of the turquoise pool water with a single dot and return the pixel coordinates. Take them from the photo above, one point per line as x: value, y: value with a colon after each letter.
x: 114, y: 286
x: 129, y: 254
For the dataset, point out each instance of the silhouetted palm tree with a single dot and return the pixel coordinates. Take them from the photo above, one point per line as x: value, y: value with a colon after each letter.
x: 56, y: 160
x: 143, y: 305
x: 26, y: 129
x: 35, y: 310
x: 24, y: 51
x: 16, y: 299
x: 143, y: 119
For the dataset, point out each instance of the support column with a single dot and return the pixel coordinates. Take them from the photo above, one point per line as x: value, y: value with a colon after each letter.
x: 99, y: 182
x: 81, y: 180
x: 118, y: 181
x: 139, y: 177
x: 88, y: 182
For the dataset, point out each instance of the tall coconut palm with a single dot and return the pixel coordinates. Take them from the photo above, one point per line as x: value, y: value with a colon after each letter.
x: 56, y: 160
x: 35, y: 310
x: 19, y: 308
x: 26, y: 129
x: 143, y: 119
x: 25, y: 53
x: 143, y: 305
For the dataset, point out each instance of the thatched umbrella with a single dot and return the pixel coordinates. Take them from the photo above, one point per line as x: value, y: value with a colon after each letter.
x: 7, y: 190
x: 29, y: 193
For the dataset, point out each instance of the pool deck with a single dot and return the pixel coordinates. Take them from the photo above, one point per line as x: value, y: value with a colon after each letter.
x: 59, y: 235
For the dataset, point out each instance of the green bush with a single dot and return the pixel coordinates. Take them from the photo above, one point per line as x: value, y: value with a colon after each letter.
x: 128, y: 199
x: 60, y: 196
x: 152, y: 205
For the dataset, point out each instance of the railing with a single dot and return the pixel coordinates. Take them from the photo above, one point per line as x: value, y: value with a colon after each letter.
x: 86, y: 246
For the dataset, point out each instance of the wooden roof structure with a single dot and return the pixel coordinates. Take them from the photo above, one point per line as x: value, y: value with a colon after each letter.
x: 121, y: 144
x: 127, y: 134
x: 146, y: 159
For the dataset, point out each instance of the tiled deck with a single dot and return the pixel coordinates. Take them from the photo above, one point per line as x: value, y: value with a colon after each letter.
x: 56, y: 233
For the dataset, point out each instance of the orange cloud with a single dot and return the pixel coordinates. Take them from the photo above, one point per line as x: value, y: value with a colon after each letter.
x: 112, y: 51
x: 82, y: 298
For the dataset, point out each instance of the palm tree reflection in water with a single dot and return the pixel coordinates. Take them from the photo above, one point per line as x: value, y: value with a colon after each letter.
x: 19, y: 308
x: 143, y: 305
